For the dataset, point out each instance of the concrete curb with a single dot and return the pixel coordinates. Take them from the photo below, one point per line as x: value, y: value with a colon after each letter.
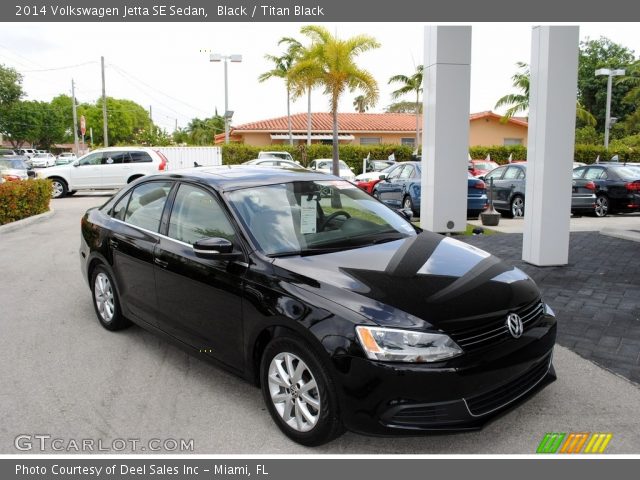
x: 631, y: 235
x: 9, y: 227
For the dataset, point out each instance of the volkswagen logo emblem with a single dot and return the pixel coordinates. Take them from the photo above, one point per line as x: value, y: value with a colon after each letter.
x: 514, y: 324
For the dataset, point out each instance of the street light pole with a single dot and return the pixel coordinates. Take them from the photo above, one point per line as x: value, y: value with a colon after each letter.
x: 610, y: 73
x: 216, y: 57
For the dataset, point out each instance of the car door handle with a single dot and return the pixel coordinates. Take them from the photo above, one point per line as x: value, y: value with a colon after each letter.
x: 113, y: 243
x: 161, y: 263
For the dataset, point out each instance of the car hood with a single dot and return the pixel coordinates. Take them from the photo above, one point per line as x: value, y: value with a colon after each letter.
x: 419, y: 282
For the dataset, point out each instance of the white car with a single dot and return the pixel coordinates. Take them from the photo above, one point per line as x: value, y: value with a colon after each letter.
x: 66, y: 157
x: 104, y: 169
x: 273, y: 162
x: 43, y: 160
x: 281, y: 155
x: 325, y: 165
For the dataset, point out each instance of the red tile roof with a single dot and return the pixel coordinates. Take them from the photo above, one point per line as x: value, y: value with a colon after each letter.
x: 352, y: 122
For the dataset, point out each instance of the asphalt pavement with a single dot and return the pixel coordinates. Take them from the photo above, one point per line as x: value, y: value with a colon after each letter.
x: 63, y: 375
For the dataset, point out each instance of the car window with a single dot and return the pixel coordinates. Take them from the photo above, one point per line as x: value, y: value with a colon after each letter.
x: 495, y: 174
x: 513, y: 173
x: 196, y: 214
x: 111, y: 158
x: 91, y: 159
x: 121, y: 207
x: 407, y: 172
x: 147, y: 202
x: 140, y: 157
x: 594, y: 173
x: 268, y: 163
x: 396, y: 173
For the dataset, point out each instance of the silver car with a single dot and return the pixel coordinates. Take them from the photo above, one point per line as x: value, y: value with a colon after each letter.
x: 12, y: 169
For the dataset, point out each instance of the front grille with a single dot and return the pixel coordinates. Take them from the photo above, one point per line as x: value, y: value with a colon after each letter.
x: 496, y: 330
x: 498, y: 397
x: 420, y: 415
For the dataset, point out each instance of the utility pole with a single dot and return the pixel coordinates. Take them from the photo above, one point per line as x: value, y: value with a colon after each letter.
x: 75, y: 117
x: 176, y: 128
x: 104, y: 107
x: 91, y: 135
x: 150, y: 114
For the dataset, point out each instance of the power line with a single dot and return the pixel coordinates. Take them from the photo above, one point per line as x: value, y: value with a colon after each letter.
x: 66, y: 67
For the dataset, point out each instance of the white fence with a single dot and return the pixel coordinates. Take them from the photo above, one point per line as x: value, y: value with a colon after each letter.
x: 187, y: 157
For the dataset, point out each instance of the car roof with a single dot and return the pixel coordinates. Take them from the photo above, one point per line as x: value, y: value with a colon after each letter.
x: 226, y: 178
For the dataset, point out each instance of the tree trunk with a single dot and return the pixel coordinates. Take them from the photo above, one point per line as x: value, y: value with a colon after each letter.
x: 309, y: 117
x: 336, y: 150
x: 417, y: 121
x: 289, y: 115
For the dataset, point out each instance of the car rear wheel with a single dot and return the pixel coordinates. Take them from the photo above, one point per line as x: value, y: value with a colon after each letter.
x: 299, y: 393
x: 407, y: 203
x: 59, y: 188
x: 602, y: 206
x: 376, y: 194
x: 105, y: 301
x: 517, y: 207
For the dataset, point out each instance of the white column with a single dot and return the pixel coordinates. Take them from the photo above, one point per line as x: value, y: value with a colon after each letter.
x: 445, y: 145
x: 552, y: 118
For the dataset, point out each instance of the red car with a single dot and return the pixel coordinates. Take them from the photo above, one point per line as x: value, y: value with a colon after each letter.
x: 480, y: 167
x: 367, y: 181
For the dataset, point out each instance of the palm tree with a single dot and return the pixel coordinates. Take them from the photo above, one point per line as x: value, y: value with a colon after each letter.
x: 410, y: 84
x: 632, y: 78
x: 519, y: 102
x: 331, y: 62
x: 360, y: 104
x: 281, y: 67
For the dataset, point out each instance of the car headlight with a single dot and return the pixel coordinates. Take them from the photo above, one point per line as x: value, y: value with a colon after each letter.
x: 393, y: 345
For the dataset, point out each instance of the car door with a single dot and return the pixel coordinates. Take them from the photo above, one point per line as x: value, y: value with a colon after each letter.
x: 136, y: 223
x: 87, y: 172
x: 388, y: 188
x: 511, y: 184
x: 200, y: 298
x: 498, y: 192
x: 114, y: 167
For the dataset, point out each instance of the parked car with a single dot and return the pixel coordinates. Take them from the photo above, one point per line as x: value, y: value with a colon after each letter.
x: 276, y: 154
x: 41, y: 160
x: 617, y: 186
x: 27, y: 152
x: 509, y: 185
x: 104, y: 169
x: 65, y: 158
x: 5, y: 152
x: 481, y: 167
x: 366, y: 181
x: 13, y: 169
x: 325, y: 165
x: 273, y: 162
x: 378, y: 165
x: 345, y: 314
x: 401, y: 189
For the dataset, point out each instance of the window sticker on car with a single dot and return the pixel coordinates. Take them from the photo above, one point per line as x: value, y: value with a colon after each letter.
x: 307, y: 215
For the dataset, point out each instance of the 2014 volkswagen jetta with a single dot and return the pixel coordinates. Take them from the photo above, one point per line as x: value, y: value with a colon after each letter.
x: 343, y: 312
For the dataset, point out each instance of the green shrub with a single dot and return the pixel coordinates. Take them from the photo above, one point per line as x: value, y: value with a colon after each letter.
x: 24, y: 199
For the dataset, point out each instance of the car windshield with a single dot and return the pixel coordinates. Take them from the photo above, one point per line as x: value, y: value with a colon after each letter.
x: 485, y: 165
x: 41, y: 155
x: 313, y: 217
x: 328, y: 164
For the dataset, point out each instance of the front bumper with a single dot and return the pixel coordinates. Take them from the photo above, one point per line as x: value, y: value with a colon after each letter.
x: 382, y: 398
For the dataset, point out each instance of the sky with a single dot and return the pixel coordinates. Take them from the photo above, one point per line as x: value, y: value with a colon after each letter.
x: 166, y: 66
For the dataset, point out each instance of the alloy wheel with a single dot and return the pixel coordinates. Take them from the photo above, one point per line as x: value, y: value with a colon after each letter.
x: 58, y: 189
x: 104, y: 297
x: 517, y: 207
x: 294, y: 391
x: 602, y: 206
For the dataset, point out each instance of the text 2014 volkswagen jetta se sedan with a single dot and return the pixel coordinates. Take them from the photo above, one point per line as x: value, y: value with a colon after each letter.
x: 345, y: 314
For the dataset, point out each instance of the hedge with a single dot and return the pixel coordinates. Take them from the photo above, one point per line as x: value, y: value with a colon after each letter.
x: 235, y: 153
x: 24, y: 199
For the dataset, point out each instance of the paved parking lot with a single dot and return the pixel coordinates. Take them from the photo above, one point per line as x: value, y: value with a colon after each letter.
x: 62, y: 374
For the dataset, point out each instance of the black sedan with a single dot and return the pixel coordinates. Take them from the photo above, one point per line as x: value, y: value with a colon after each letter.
x: 617, y: 186
x: 509, y: 182
x: 343, y: 312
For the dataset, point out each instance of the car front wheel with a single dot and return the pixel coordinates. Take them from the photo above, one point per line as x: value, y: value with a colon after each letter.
x: 517, y: 207
x: 299, y: 393
x: 105, y: 300
x: 59, y: 188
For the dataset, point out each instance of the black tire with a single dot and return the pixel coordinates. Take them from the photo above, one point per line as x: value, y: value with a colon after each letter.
x: 408, y: 203
x: 59, y: 188
x: 105, y: 300
x: 375, y: 194
x: 327, y: 419
x: 517, y: 206
x: 134, y: 178
x: 603, y: 207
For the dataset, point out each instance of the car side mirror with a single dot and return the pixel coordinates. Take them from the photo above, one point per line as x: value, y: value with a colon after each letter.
x: 76, y: 163
x: 407, y: 213
x: 481, y: 177
x: 215, y: 248
x: 383, y: 176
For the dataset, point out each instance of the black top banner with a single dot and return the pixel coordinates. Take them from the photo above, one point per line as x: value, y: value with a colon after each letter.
x: 428, y: 11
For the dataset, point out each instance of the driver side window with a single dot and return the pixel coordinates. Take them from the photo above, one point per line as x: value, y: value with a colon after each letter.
x: 92, y: 159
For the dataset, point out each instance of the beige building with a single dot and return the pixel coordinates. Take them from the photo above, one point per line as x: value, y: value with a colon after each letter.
x: 485, y: 129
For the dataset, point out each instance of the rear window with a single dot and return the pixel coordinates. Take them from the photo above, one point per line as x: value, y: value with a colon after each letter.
x: 628, y: 173
x: 140, y: 157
